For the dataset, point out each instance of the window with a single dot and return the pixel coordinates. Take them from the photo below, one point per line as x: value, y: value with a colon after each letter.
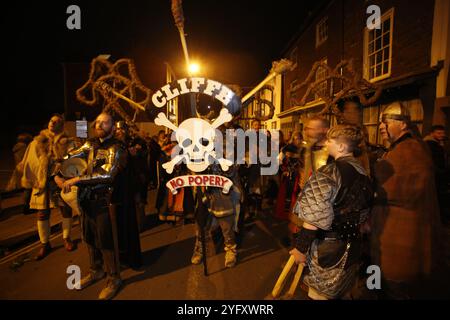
x: 250, y: 109
x: 172, y: 110
x: 256, y: 108
x: 378, y: 49
x: 321, y: 73
x: 287, y: 126
x: 416, y: 110
x: 371, y: 116
x: 321, y: 31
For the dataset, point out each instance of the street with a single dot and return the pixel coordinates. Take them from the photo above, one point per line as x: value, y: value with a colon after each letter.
x: 166, y: 273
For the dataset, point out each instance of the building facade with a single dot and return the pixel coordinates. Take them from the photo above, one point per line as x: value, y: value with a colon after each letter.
x: 258, y: 107
x: 408, y: 55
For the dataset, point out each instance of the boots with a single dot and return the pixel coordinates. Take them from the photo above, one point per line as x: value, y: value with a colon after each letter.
x: 44, y: 251
x: 96, y: 268
x: 110, y: 290
x: 43, y: 227
x: 91, y: 278
x: 68, y: 244
x: 230, y: 256
x: 67, y: 228
x: 114, y: 282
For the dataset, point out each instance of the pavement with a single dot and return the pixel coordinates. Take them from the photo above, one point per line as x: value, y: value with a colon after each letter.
x: 18, y: 229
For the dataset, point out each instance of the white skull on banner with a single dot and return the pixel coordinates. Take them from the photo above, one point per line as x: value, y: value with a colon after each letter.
x: 196, y: 137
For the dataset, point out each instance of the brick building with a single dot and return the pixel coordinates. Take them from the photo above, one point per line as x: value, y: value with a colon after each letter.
x: 409, y: 56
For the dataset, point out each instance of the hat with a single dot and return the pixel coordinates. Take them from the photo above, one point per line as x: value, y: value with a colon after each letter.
x: 396, y: 111
x: 73, y: 167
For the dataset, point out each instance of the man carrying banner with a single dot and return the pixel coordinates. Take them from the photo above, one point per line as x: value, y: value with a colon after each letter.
x: 213, y: 205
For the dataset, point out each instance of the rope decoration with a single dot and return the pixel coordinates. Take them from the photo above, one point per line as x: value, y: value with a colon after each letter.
x: 281, y: 66
x: 107, y: 81
x: 257, y: 115
x: 261, y: 102
x: 352, y: 84
x: 271, y: 108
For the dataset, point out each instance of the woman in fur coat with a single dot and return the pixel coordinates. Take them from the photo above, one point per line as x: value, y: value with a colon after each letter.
x: 40, y: 164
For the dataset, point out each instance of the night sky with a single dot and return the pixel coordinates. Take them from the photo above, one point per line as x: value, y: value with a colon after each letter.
x: 234, y: 41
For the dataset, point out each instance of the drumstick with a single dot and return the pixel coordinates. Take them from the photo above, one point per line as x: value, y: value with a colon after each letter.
x: 281, y: 279
x: 297, y: 277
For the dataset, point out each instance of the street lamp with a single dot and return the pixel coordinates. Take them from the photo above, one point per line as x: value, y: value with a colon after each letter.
x: 193, y: 68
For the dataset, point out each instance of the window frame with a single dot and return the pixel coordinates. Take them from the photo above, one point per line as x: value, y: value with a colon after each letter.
x: 321, y: 22
x: 389, y: 14
x: 325, y: 84
x: 380, y: 108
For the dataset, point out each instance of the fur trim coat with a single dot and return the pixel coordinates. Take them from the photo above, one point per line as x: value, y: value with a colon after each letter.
x: 41, y: 160
x: 405, y: 218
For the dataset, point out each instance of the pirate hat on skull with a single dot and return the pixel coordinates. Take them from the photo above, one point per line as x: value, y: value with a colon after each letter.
x: 396, y: 111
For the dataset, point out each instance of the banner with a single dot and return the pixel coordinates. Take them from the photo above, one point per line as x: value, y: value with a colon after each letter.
x: 202, y: 180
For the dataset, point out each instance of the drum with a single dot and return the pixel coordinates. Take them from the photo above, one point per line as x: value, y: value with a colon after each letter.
x: 73, y: 167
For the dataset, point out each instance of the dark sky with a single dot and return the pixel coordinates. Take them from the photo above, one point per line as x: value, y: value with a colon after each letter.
x: 235, y: 42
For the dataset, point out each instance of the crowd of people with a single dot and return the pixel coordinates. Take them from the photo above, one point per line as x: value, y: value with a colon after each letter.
x: 343, y: 199
x: 357, y: 198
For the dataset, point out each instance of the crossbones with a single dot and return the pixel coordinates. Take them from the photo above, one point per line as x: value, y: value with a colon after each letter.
x: 196, y: 137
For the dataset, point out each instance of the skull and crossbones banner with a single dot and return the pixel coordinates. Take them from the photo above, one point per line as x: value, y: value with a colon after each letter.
x: 195, y: 136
